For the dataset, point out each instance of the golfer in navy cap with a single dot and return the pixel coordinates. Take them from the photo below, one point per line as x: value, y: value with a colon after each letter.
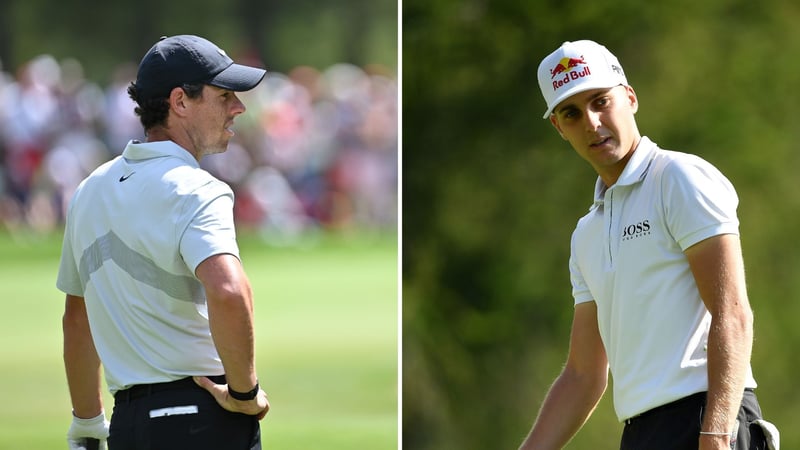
x: 155, y: 290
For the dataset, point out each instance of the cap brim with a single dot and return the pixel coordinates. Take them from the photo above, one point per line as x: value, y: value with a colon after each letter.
x: 238, y: 78
x: 577, y: 90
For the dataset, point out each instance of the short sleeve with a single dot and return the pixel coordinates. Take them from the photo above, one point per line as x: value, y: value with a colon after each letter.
x: 699, y: 201
x: 580, y: 290
x: 211, y: 229
x: 69, y: 279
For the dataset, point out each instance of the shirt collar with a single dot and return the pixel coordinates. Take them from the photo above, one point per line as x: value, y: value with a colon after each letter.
x: 136, y: 150
x: 634, y: 171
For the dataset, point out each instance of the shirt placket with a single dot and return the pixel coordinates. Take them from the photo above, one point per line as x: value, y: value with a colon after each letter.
x: 610, y: 226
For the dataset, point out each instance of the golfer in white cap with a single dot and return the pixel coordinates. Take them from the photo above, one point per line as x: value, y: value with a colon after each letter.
x: 657, y: 279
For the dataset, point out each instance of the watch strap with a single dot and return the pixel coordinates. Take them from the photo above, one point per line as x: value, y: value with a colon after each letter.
x: 244, y: 396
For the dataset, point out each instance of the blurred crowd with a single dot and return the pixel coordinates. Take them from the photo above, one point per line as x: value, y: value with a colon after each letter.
x: 316, y: 149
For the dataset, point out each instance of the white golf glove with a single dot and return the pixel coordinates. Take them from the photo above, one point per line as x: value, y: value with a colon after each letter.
x: 771, y: 433
x: 88, y: 434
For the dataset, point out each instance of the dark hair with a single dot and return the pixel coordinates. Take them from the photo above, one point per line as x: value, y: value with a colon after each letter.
x: 153, y: 111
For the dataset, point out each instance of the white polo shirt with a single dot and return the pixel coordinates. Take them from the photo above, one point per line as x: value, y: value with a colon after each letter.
x: 627, y: 256
x: 137, y: 228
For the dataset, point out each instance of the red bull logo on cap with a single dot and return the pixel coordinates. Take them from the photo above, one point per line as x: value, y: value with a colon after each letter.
x: 569, y: 67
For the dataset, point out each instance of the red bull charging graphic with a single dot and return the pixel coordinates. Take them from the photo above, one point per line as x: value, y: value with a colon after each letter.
x: 571, y: 69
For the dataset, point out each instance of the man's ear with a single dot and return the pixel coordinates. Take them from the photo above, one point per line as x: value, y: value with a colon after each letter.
x: 632, y: 98
x: 178, y: 101
x: 555, y: 124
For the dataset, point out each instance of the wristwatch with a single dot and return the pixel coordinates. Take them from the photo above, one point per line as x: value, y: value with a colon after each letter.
x: 244, y: 396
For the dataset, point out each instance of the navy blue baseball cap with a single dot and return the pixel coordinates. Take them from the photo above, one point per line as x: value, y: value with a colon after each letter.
x: 187, y: 59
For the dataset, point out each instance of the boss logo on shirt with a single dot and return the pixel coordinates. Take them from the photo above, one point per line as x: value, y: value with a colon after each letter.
x: 636, y: 230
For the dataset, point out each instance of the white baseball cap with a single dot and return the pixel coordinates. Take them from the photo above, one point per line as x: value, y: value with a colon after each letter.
x: 576, y: 67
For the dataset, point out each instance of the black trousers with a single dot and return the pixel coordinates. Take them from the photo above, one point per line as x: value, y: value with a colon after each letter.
x: 178, y: 416
x: 676, y: 426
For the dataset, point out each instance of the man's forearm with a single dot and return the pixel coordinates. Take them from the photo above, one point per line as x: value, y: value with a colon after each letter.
x: 718, y: 270
x: 569, y: 403
x: 81, y: 363
x: 231, y: 322
x: 230, y: 316
x: 730, y: 343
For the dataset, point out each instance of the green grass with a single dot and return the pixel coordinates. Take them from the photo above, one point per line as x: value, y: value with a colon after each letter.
x: 327, y: 343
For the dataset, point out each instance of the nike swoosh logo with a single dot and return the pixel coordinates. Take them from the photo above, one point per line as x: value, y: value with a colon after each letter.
x: 196, y: 429
x: 123, y: 178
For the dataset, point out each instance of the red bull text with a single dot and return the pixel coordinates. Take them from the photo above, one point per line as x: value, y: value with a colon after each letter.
x: 569, y: 68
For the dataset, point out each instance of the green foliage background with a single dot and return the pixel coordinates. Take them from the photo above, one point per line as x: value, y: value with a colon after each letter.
x: 491, y: 194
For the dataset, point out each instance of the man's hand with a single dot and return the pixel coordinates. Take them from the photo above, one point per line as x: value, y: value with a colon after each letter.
x: 258, y: 406
x: 88, y: 434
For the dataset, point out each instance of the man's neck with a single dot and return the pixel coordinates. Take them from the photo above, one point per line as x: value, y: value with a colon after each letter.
x: 161, y: 133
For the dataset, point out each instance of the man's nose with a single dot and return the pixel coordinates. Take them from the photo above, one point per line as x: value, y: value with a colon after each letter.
x: 592, y: 120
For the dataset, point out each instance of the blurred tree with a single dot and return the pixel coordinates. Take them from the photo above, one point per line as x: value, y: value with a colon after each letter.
x: 103, y: 34
x: 5, y: 34
x: 257, y: 17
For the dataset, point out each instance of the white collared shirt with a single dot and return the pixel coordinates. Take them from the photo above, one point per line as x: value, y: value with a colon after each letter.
x: 627, y: 256
x: 137, y: 228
